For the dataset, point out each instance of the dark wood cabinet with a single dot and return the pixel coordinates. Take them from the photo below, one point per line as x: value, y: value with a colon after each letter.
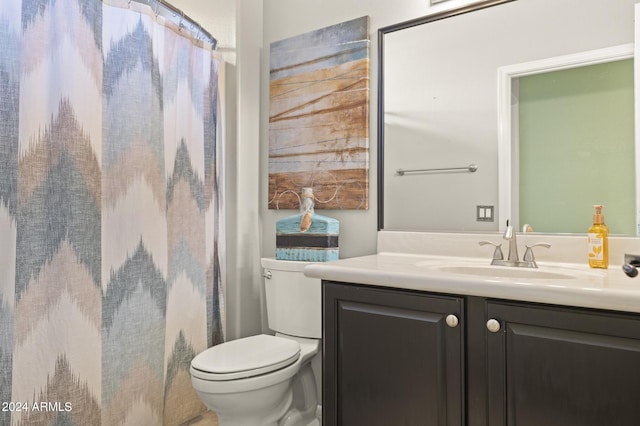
x: 560, y: 366
x: 390, y: 358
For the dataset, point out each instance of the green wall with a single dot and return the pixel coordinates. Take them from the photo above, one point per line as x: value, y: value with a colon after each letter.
x: 577, y: 148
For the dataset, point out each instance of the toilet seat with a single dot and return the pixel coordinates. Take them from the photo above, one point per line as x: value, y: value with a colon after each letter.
x: 246, y: 357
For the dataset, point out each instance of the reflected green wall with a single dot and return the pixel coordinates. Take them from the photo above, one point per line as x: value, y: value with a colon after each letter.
x: 577, y: 148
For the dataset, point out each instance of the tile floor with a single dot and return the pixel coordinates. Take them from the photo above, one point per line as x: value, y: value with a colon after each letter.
x: 206, y: 419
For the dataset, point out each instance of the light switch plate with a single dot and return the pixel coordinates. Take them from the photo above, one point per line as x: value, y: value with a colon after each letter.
x: 484, y: 213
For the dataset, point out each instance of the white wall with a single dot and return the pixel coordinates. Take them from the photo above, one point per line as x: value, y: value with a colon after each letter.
x: 244, y: 287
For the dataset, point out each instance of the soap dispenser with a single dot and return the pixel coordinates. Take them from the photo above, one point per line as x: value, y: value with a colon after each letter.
x: 598, y: 241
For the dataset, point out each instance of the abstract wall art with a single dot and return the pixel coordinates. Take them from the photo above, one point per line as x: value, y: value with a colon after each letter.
x: 319, y: 117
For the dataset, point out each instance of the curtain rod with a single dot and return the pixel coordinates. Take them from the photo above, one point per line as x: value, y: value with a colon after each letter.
x: 168, y: 11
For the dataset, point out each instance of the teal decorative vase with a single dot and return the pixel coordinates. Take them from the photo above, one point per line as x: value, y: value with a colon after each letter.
x: 307, y: 236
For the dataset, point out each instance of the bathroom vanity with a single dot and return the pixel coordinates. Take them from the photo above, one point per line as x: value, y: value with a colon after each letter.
x: 423, y: 339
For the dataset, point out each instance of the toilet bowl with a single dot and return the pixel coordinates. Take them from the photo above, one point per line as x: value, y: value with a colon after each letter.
x: 267, y: 380
x: 255, y: 385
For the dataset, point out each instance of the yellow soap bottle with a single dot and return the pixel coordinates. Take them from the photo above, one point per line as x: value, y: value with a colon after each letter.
x: 598, y: 238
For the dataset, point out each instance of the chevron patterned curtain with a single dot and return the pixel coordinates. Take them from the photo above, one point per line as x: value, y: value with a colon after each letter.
x: 111, y: 226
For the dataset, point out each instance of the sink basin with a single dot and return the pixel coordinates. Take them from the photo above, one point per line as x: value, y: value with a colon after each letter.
x: 505, y: 272
x: 555, y: 274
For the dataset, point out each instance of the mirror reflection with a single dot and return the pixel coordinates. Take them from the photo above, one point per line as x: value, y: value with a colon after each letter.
x: 568, y: 136
x: 439, y: 109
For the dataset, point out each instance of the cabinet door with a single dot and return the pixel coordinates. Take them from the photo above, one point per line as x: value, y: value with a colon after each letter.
x: 553, y: 366
x: 390, y: 358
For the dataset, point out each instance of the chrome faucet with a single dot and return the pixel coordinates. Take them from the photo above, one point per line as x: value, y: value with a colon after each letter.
x: 510, y: 235
x: 528, y: 260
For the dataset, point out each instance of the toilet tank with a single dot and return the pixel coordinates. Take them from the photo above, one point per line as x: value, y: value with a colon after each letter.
x: 294, y: 301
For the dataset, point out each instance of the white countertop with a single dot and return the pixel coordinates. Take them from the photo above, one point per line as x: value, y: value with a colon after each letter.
x: 576, y: 284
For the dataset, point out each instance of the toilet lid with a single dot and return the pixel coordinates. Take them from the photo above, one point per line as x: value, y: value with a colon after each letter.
x: 246, y: 357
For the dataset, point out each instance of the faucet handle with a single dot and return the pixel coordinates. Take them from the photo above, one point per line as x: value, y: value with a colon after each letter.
x: 497, y: 254
x: 528, y: 254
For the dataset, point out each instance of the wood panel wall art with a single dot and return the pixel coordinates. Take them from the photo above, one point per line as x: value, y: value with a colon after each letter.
x: 319, y: 117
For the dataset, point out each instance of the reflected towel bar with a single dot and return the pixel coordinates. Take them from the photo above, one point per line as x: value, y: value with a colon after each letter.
x: 470, y: 168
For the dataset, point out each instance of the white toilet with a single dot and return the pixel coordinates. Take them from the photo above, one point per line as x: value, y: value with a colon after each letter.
x: 268, y: 380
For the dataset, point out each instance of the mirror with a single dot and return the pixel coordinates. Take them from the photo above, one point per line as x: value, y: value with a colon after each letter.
x: 438, y: 103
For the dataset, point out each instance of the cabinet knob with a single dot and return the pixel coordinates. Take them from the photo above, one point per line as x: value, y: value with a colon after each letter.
x: 452, y: 320
x: 493, y: 325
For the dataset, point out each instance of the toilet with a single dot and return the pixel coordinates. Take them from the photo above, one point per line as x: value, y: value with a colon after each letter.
x: 267, y: 380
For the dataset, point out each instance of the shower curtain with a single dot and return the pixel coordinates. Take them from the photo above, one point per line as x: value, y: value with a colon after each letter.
x: 111, y: 225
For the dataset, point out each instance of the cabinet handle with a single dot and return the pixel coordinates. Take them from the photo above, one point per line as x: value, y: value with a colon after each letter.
x: 493, y: 325
x: 452, y: 321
